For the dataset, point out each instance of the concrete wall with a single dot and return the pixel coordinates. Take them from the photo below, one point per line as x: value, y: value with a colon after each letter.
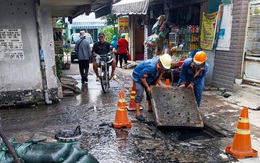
x: 21, y: 79
x: 20, y: 74
x: 210, y: 61
x: 48, y: 46
x: 228, y: 64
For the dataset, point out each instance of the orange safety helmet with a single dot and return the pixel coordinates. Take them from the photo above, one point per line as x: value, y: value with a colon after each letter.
x: 200, y: 57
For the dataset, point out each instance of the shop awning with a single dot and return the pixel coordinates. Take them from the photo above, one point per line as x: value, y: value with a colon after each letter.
x: 130, y: 7
x: 87, y: 25
x: 87, y: 22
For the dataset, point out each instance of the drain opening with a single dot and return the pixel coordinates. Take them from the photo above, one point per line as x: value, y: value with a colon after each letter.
x: 192, y: 134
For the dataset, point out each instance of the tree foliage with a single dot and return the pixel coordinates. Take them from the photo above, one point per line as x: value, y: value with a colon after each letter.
x: 111, y: 28
x: 109, y: 32
x: 111, y: 19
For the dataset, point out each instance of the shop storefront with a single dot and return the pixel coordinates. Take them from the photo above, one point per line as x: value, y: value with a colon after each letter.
x: 185, y: 29
x: 177, y: 29
x: 135, y: 11
x: 186, y: 18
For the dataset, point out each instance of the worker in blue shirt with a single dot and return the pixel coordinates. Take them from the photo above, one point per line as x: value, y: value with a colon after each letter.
x: 148, y: 73
x: 193, y: 72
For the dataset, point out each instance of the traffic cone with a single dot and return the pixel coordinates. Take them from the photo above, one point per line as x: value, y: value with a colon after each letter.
x: 167, y: 82
x: 121, y: 119
x: 132, y: 106
x: 241, y: 146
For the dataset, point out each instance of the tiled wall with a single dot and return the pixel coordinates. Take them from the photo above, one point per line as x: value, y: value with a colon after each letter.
x: 228, y: 64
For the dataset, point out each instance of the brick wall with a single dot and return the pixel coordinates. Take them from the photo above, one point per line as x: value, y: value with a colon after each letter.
x: 228, y: 64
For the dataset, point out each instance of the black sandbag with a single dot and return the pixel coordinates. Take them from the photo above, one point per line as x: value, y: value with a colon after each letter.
x: 74, y: 155
x: 88, y: 159
x: 43, y: 153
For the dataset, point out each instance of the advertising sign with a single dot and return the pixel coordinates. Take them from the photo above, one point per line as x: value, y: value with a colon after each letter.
x: 224, y: 35
x: 58, y: 41
x: 123, y: 24
x: 208, y: 30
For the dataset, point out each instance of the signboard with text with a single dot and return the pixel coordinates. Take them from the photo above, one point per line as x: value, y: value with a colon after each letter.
x: 123, y: 24
x: 58, y: 40
x: 208, y: 30
x: 11, y: 45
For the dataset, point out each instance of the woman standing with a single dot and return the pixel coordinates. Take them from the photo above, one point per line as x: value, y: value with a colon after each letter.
x: 122, y: 50
x: 115, y: 45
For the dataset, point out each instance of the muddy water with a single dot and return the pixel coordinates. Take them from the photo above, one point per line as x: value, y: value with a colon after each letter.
x: 94, y: 112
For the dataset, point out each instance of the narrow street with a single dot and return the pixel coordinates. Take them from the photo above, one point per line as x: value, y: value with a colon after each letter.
x: 212, y: 41
x: 94, y: 111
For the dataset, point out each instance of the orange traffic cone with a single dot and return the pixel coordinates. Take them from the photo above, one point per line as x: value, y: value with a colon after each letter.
x: 241, y: 146
x: 121, y: 119
x: 132, y: 106
x: 167, y: 82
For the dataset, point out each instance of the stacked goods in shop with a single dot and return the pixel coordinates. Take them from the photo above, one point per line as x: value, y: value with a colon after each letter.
x: 151, y: 41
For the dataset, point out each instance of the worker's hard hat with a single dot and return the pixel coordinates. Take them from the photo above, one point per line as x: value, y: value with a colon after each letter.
x: 200, y: 57
x: 166, y: 61
x: 122, y: 35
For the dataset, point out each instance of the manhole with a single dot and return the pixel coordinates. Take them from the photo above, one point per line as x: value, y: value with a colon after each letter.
x: 193, y: 134
x: 68, y: 135
x: 186, y: 134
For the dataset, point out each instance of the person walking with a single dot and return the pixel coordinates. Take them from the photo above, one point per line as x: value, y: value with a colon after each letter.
x: 83, y: 51
x: 115, y: 46
x: 122, y: 50
x: 102, y: 47
x: 193, y: 72
x: 148, y: 73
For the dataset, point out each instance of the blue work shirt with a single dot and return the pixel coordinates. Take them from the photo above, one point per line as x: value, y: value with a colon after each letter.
x: 188, y: 72
x: 148, y: 68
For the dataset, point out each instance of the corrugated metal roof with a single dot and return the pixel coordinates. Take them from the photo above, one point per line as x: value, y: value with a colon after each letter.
x: 127, y: 7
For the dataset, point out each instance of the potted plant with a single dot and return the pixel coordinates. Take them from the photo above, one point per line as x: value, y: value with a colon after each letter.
x: 238, y: 79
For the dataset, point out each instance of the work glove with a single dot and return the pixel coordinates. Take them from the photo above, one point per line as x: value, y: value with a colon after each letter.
x: 191, y: 85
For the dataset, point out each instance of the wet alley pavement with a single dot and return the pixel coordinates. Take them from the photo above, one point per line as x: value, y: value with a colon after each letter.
x: 94, y: 111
